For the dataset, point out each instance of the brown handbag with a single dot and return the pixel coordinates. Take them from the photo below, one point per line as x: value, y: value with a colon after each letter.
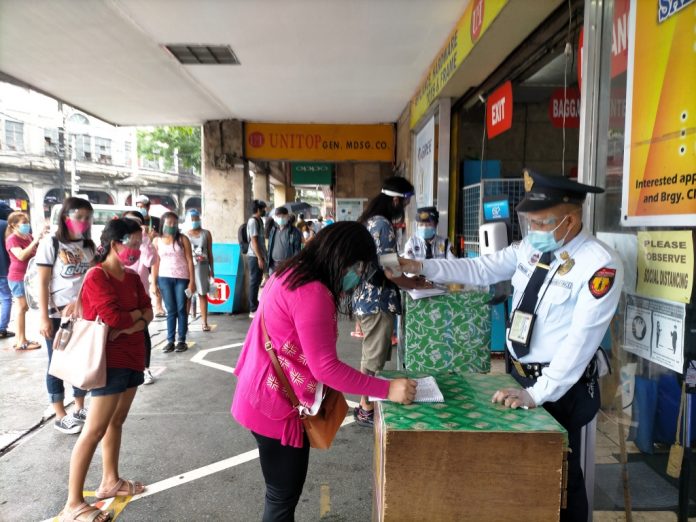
x: 322, y: 427
x: 79, y: 349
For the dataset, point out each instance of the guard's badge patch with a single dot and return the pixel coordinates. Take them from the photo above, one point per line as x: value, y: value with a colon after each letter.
x: 601, y: 282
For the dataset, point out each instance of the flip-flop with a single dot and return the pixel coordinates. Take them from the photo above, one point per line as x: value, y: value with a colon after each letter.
x: 160, y: 314
x: 28, y: 345
x: 129, y: 487
x: 206, y: 328
x: 83, y: 513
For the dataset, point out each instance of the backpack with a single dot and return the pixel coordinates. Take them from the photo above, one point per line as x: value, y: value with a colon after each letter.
x: 31, y: 278
x: 243, y: 238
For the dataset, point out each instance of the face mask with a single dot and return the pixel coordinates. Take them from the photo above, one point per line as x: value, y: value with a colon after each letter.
x: 262, y: 213
x: 128, y: 256
x: 545, y: 241
x: 305, y: 235
x: 143, y: 211
x: 24, y: 229
x: 350, y: 280
x: 77, y: 228
x: 195, y: 225
x: 425, y: 232
x: 170, y: 231
x: 281, y: 221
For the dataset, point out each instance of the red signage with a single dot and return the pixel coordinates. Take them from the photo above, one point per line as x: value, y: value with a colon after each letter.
x: 565, y: 104
x: 222, y: 294
x: 499, y: 110
x: 619, y: 41
x: 476, y: 20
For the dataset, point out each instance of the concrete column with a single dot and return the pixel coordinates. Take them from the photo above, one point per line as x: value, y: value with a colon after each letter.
x: 225, y: 183
x: 261, y: 184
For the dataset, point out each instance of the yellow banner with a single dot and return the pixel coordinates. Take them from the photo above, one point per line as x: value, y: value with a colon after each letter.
x: 660, y: 160
x: 666, y: 265
x: 474, y: 22
x: 317, y: 142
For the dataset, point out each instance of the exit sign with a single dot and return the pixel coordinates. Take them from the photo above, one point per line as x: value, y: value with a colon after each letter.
x: 499, y: 110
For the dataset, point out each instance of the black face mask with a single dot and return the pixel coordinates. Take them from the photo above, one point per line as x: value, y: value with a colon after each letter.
x: 262, y: 213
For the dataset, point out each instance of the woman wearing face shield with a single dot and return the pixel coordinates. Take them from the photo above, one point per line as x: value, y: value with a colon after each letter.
x: 299, y: 309
x: 425, y: 243
x: 567, y: 285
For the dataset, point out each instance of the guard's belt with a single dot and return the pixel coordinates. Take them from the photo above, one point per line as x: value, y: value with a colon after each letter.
x: 528, y: 370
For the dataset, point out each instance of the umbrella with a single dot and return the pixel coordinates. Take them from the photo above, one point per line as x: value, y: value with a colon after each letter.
x: 156, y: 210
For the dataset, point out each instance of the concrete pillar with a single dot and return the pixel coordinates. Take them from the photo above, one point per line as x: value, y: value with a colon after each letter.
x: 225, y: 184
x: 261, y: 182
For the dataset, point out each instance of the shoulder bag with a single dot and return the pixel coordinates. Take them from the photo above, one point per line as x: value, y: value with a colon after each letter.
x: 79, y: 349
x: 322, y: 427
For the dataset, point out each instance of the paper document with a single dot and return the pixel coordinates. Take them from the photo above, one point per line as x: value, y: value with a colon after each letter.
x: 390, y: 261
x: 427, y: 390
x: 420, y: 293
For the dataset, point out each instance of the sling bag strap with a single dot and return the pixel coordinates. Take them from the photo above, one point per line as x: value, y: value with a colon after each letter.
x: 268, y: 345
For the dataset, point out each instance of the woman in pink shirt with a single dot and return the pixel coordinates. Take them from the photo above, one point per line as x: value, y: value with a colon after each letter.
x: 299, y: 308
x: 21, y: 247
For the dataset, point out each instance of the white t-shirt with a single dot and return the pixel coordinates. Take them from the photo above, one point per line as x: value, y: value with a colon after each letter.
x: 72, y: 262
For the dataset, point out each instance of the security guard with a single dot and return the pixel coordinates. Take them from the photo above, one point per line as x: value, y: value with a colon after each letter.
x: 567, y: 285
x: 425, y: 243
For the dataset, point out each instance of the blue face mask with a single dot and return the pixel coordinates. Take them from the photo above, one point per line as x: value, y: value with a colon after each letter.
x: 281, y: 221
x: 24, y: 229
x: 195, y: 225
x: 350, y: 280
x: 545, y: 241
x: 425, y: 232
x: 143, y: 211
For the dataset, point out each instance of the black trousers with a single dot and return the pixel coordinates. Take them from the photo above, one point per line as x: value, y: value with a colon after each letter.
x: 255, y: 276
x: 572, y: 411
x: 284, y: 471
x: 148, y: 347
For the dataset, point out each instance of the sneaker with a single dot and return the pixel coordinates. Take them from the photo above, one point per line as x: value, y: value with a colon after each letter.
x: 149, y: 378
x: 80, y: 415
x: 6, y: 334
x: 181, y: 346
x: 168, y: 348
x: 252, y: 315
x: 68, y: 424
x: 363, y: 417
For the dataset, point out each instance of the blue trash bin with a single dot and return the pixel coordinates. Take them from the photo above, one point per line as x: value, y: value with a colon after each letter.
x: 229, y: 278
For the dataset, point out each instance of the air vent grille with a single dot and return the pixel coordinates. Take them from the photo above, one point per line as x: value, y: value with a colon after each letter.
x: 196, y: 54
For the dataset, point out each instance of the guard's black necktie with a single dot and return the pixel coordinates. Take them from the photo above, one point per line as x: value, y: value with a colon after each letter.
x: 531, y: 295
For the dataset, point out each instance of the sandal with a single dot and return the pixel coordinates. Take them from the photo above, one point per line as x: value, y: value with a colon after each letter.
x: 160, y: 314
x: 206, y: 328
x: 28, y: 345
x: 122, y: 488
x: 84, y: 513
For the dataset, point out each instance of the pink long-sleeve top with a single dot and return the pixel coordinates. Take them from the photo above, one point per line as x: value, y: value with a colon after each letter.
x: 148, y: 254
x: 302, y: 326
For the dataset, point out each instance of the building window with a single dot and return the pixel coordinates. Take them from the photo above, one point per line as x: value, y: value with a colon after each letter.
x: 102, y: 148
x: 78, y: 118
x: 127, y: 153
x: 14, y: 135
x: 51, y: 145
x: 83, y: 147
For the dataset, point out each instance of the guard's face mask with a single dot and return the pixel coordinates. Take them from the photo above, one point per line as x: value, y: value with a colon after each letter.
x: 545, y: 240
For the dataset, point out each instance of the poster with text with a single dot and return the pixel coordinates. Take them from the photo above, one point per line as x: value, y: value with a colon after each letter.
x: 666, y: 264
x: 660, y: 157
x: 654, y: 330
x: 425, y: 164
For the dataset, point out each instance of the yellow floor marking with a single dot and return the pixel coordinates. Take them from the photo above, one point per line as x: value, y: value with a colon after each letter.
x: 324, y: 500
x: 113, y: 505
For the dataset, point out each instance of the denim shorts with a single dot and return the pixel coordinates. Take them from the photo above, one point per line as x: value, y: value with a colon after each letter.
x: 119, y: 380
x: 16, y: 288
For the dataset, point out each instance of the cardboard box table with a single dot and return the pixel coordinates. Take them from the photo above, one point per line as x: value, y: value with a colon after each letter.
x: 467, y: 459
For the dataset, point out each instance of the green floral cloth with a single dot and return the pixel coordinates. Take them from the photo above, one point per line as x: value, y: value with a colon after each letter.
x: 467, y: 407
x: 450, y: 332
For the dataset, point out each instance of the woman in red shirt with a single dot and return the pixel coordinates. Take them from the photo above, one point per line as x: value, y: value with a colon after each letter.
x: 116, y: 295
x: 21, y: 247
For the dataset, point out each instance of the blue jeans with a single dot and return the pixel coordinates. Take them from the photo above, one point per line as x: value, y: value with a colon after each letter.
x: 119, y: 380
x: 255, y: 276
x: 173, y: 292
x: 5, y: 303
x: 56, y: 390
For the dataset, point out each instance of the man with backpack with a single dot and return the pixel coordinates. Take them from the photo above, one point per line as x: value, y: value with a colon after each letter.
x: 256, y: 256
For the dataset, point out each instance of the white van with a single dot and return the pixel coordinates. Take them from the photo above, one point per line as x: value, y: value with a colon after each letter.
x: 102, y: 215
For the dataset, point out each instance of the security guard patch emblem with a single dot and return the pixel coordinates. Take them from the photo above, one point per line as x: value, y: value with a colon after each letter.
x: 601, y: 282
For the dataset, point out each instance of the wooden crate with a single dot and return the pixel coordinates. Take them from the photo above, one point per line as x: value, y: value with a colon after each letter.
x: 467, y: 459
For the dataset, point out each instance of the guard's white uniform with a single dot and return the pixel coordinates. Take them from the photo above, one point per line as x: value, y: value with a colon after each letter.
x: 416, y: 248
x: 572, y: 315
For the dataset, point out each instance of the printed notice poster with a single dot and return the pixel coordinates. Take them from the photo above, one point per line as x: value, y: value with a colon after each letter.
x: 425, y: 164
x: 654, y: 330
x: 660, y: 157
x: 666, y: 265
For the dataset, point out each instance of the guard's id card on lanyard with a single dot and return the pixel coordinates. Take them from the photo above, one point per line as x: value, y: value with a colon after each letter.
x: 521, y: 327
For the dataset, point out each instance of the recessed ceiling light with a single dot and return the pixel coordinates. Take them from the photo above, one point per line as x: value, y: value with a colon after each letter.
x: 197, y: 54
